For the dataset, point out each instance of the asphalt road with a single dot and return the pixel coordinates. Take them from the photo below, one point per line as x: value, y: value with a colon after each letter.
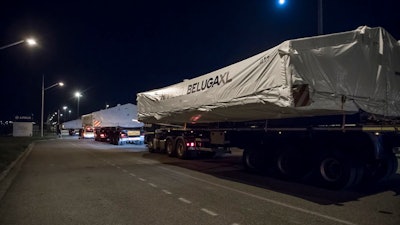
x: 71, y: 181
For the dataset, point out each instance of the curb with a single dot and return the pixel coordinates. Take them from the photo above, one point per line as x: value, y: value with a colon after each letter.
x: 8, y: 175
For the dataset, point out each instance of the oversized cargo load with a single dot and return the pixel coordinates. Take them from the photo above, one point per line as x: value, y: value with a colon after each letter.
x: 331, y: 74
x: 118, y: 116
x: 72, y: 124
x: 117, y: 125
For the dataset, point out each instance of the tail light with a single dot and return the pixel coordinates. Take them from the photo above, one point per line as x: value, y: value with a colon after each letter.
x: 190, y: 144
x: 122, y: 135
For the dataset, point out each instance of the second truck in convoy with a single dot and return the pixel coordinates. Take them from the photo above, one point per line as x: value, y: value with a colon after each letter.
x: 322, y: 108
x: 117, y: 125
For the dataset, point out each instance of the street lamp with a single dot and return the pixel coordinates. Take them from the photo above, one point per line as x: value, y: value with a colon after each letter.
x: 29, y: 41
x: 78, y: 95
x: 65, y: 112
x: 44, y: 89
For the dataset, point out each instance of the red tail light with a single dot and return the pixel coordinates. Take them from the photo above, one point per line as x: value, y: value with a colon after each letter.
x: 123, y: 135
x: 190, y: 144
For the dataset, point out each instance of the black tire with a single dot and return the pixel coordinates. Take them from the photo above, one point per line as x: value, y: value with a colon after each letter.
x: 253, y: 160
x: 112, y: 140
x: 181, y: 150
x: 339, y: 171
x: 382, y: 169
x: 150, y: 145
x: 249, y: 160
x: 292, y: 163
x: 169, y: 148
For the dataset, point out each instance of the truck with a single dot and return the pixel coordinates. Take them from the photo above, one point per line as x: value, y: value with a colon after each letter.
x: 73, y: 126
x: 117, y: 125
x: 322, y: 109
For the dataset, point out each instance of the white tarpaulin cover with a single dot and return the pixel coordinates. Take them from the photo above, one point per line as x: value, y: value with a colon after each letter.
x: 72, y: 124
x: 118, y: 116
x: 323, y: 75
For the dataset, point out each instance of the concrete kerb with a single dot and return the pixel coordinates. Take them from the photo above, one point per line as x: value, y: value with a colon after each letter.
x: 8, y: 175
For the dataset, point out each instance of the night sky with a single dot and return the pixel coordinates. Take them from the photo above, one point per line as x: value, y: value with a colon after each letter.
x: 109, y: 51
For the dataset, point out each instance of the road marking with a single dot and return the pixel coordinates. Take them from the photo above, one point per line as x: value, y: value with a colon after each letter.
x: 142, y: 179
x: 310, y: 212
x: 153, y: 185
x: 167, y: 192
x: 124, y: 170
x: 133, y: 175
x: 209, y: 212
x: 184, y: 200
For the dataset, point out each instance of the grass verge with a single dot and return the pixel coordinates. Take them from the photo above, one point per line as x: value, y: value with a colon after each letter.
x: 12, y: 147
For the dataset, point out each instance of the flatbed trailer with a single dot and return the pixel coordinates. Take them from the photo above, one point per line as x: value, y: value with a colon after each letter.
x: 332, y: 156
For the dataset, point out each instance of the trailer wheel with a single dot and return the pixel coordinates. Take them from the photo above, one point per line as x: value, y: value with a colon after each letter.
x: 292, y: 164
x: 253, y: 160
x: 382, y: 169
x: 112, y: 140
x: 339, y: 171
x: 170, y: 148
x: 181, y: 150
x: 150, y: 145
x: 249, y: 160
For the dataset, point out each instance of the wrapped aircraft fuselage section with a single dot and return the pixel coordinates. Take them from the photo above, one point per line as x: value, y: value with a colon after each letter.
x: 324, y: 75
x: 118, y: 116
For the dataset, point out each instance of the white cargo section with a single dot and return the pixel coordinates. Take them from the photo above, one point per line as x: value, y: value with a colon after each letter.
x: 118, y: 116
x: 72, y: 124
x: 22, y: 129
x: 324, y: 75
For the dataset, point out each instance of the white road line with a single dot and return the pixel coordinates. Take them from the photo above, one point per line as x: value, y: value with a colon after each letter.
x: 184, y: 200
x: 167, y: 192
x: 209, y: 212
x: 310, y: 212
x: 124, y: 170
x: 153, y: 185
x: 133, y: 175
x: 142, y: 179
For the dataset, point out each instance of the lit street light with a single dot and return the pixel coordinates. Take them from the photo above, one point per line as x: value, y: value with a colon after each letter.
x: 65, y: 112
x: 29, y: 41
x: 78, y: 95
x: 44, y: 89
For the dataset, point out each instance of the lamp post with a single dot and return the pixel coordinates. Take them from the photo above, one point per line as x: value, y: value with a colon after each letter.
x: 78, y: 95
x: 29, y: 41
x: 65, y: 112
x: 44, y: 89
x: 320, y: 17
